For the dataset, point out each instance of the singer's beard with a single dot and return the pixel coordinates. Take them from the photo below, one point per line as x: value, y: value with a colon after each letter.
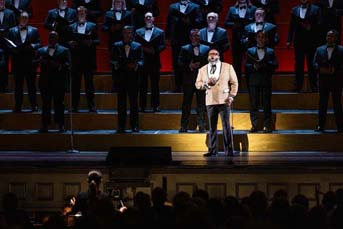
x: 212, y: 25
x: 149, y: 24
x: 213, y: 60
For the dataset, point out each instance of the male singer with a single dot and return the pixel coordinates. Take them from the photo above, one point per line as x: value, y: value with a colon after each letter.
x: 220, y: 82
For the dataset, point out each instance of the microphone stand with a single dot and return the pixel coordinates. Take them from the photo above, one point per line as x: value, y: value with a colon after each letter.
x: 231, y: 126
x: 71, y: 140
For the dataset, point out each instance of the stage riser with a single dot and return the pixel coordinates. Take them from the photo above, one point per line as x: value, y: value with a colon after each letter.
x: 179, y: 142
x: 161, y: 121
x: 103, y: 83
x: 173, y: 101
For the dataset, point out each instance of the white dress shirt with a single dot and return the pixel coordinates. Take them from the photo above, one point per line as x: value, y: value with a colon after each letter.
x: 88, y: 1
x: 264, y: 2
x: 2, y: 14
x: 303, y: 12
x: 209, y: 35
x: 148, y: 34
x: 127, y: 50
x: 261, y: 53
x: 196, y: 50
x: 215, y: 75
x: 16, y: 3
x: 183, y: 8
x: 141, y: 2
x: 62, y: 13
x: 51, y: 51
x: 330, y: 51
x: 118, y: 16
x: 330, y: 3
x: 23, y: 34
x: 242, y: 12
x: 81, y: 28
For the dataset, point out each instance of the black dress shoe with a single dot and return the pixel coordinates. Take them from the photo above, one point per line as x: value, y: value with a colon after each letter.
x: 183, y: 130
x: 34, y: 109
x: 93, y: 110
x: 253, y: 130
x: 121, y: 131
x: 17, y: 110
x: 61, y: 129
x: 230, y: 153
x: 157, y: 109
x: 267, y: 130
x: 143, y: 110
x: 210, y: 154
x: 319, y: 129
x: 43, y: 130
x: 75, y: 110
x: 202, y: 130
x: 135, y: 130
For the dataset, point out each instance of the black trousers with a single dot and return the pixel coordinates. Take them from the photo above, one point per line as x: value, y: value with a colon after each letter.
x: 128, y: 86
x: 4, y: 73
x: 53, y: 93
x: 224, y: 111
x: 327, y: 86
x: 256, y: 94
x: 177, y: 72
x: 152, y: 73
x: 30, y: 77
x: 237, y: 56
x: 188, y: 92
x: 89, y: 88
x: 301, y: 52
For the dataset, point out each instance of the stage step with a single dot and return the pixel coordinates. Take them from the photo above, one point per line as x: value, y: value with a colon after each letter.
x: 173, y: 101
x: 102, y: 140
x: 165, y: 120
x: 103, y: 82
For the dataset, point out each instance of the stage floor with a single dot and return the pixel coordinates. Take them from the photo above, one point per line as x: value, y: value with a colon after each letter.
x: 180, y: 160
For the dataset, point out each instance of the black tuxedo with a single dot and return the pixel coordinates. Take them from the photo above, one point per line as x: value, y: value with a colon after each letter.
x: 93, y: 9
x: 249, y: 37
x: 178, y: 28
x: 8, y: 21
x: 212, y: 6
x: 114, y: 26
x: 237, y: 25
x: 260, y: 84
x: 330, y: 82
x: 220, y: 40
x: 330, y: 19
x: 54, y: 22
x: 140, y: 10
x: 54, y: 71
x: 22, y: 63
x: 189, y: 77
x: 271, y: 8
x: 304, y: 33
x: 128, y: 80
x: 83, y: 62
x: 24, y: 5
x: 152, y: 64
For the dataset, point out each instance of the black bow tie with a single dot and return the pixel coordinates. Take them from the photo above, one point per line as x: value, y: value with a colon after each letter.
x: 259, y: 23
x: 183, y: 4
x: 117, y: 11
x: 81, y: 24
x: 195, y: 46
x: 260, y: 48
x: 303, y: 6
x: 331, y: 46
x: 23, y: 28
x: 146, y: 28
x: 62, y: 10
x: 242, y: 7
